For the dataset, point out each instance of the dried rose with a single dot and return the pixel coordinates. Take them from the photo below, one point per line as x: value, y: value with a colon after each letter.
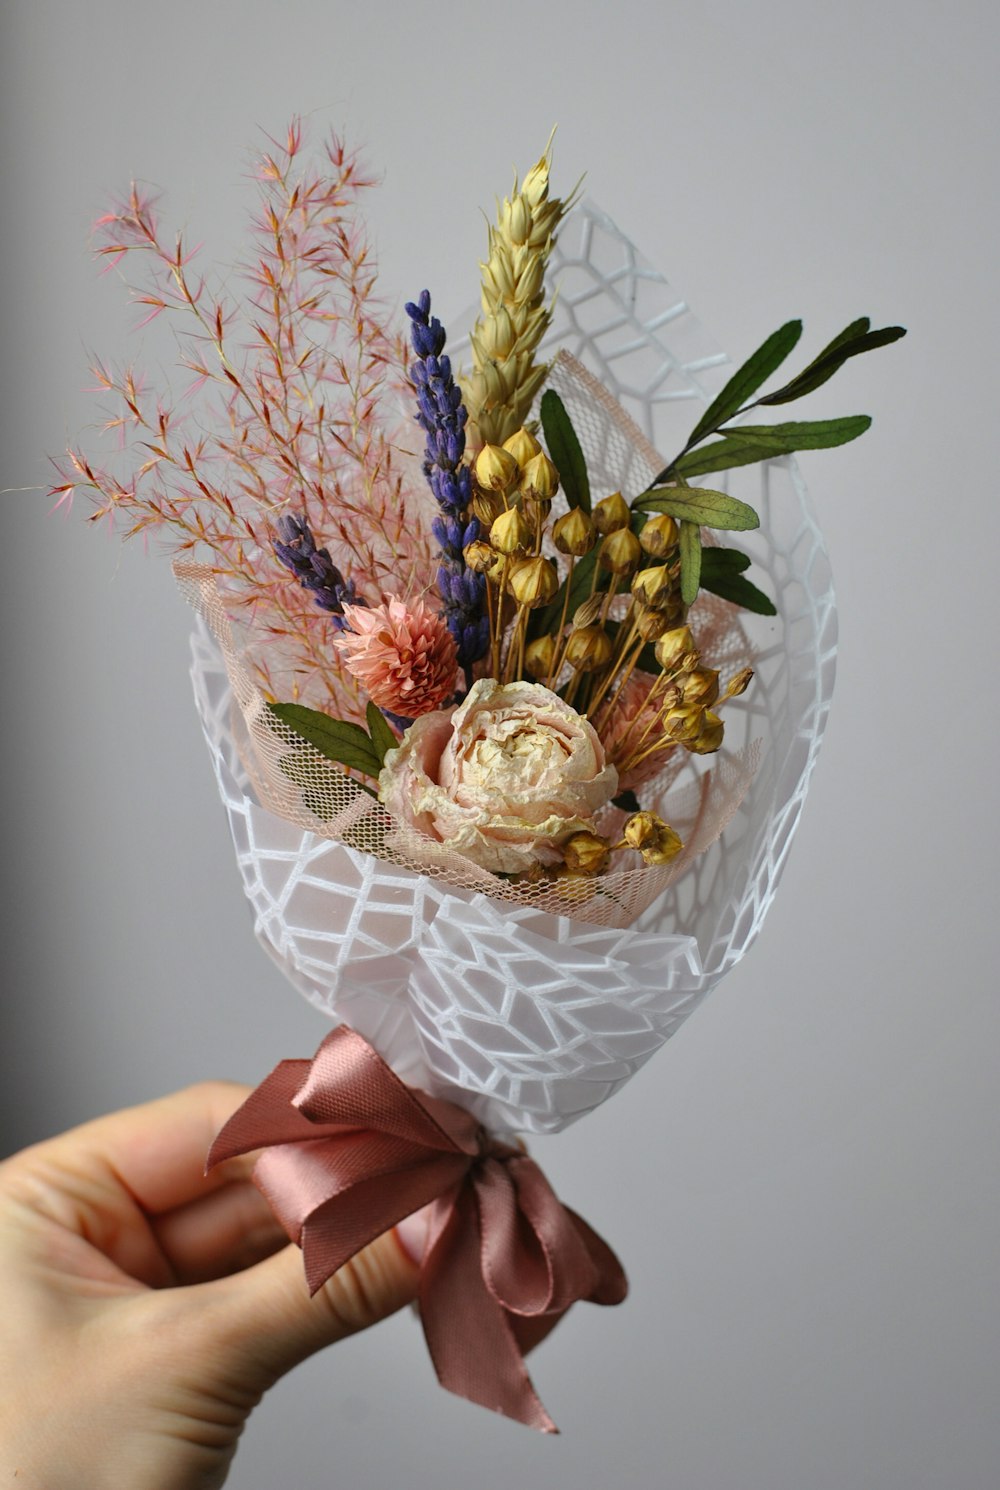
x: 504, y: 779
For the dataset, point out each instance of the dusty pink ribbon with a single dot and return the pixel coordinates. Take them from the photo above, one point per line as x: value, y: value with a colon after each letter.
x: 349, y: 1150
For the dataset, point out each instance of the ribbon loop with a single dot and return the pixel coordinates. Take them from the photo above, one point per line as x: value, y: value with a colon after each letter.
x: 350, y: 1150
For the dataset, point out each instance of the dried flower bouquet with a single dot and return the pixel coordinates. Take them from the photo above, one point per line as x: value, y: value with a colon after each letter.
x: 474, y: 707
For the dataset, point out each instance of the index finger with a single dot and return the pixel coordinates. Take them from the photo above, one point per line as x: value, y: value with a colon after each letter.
x: 157, y: 1150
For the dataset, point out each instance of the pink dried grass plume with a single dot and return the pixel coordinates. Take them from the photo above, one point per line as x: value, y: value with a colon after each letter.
x: 293, y: 405
x: 401, y: 653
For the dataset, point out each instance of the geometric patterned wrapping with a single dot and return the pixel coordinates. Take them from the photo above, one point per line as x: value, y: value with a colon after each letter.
x: 527, y: 1018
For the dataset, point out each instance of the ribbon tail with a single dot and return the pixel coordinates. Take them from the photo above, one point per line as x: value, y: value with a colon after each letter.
x: 469, y: 1334
x: 612, y: 1284
x: 531, y: 1329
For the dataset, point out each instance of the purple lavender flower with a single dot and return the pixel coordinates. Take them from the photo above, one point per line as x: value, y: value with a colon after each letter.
x: 296, y: 547
x: 442, y: 416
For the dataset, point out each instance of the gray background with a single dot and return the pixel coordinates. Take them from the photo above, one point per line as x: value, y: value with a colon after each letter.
x: 803, y: 1184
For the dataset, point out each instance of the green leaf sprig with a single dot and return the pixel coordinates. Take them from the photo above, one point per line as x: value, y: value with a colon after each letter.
x: 565, y: 450
x: 340, y: 741
x: 745, y: 444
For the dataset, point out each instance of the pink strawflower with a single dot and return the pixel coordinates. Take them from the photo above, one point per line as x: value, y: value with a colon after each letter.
x: 402, y: 654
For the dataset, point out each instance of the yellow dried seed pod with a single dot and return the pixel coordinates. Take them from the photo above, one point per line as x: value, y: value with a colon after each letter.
x: 496, y: 468
x: 533, y: 582
x: 655, y: 840
x: 587, y: 613
x: 659, y: 535
x: 611, y: 513
x: 539, y: 478
x: 540, y: 655
x: 487, y: 505
x: 523, y: 446
x: 701, y: 687
x: 652, y: 586
x: 619, y: 552
x: 709, y: 737
x: 496, y: 572
x: 650, y: 624
x: 586, y: 853
x: 683, y: 723
x: 588, y: 649
x: 673, y: 646
x: 574, y: 533
x: 511, y: 532
x: 479, y: 556
x: 739, y: 683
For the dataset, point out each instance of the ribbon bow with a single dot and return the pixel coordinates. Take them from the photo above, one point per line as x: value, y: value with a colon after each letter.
x: 349, y: 1150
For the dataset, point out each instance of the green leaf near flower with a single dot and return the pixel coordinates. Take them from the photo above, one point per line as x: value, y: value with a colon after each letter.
x: 338, y: 740
x: 730, y: 585
x: 747, y: 379
x: 565, y: 450
x: 383, y: 739
x: 718, y: 560
x: 851, y: 342
x: 697, y: 504
x: 746, y: 443
x: 690, y: 553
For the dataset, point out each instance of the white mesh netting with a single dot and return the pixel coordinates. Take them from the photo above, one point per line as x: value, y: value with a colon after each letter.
x: 534, y: 1016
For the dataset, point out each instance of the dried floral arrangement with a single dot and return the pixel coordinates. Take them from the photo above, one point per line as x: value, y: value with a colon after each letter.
x: 500, y: 654
x: 467, y: 671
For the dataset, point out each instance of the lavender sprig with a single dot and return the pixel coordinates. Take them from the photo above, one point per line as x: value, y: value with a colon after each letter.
x: 442, y: 416
x: 296, y: 547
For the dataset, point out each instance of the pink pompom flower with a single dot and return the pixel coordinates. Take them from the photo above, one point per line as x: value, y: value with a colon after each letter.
x: 402, y: 654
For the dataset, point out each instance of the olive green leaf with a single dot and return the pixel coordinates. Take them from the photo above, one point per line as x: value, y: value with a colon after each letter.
x: 336, y: 739
x: 383, y: 739
x: 731, y: 585
x: 718, y: 560
x: 851, y: 342
x: 698, y: 504
x: 565, y: 451
x: 747, y: 379
x: 690, y: 551
x: 747, y: 443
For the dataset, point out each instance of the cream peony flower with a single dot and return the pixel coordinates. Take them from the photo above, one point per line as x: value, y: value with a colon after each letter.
x: 503, y: 779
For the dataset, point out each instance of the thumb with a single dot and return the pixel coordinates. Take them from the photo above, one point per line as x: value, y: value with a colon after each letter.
x: 264, y: 1322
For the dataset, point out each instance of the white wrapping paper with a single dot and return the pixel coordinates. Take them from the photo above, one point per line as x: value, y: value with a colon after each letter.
x: 531, y: 1019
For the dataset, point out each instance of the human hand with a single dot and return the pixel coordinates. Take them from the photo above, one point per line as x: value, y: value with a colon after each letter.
x: 146, y: 1309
